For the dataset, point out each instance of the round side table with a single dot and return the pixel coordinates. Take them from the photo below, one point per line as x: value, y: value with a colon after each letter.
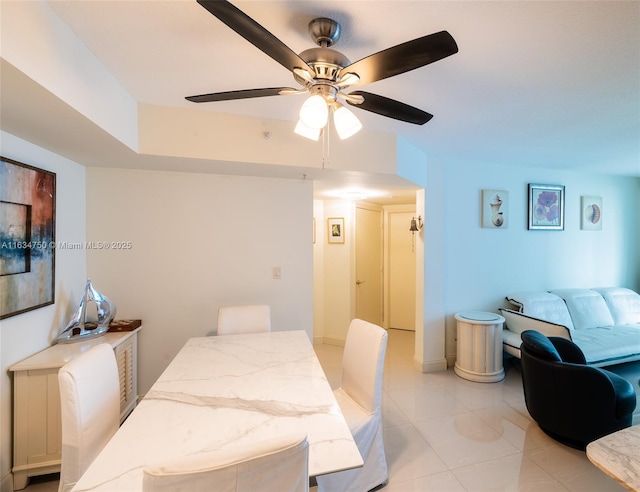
x: 479, y: 346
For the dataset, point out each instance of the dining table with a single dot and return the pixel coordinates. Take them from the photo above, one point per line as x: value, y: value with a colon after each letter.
x: 618, y: 455
x: 223, y: 391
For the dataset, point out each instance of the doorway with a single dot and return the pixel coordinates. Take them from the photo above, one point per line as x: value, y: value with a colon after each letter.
x: 368, y: 261
x: 351, y: 279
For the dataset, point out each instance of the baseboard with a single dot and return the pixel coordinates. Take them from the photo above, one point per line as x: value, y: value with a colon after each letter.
x: 333, y: 341
x: 6, y: 484
x: 430, y: 365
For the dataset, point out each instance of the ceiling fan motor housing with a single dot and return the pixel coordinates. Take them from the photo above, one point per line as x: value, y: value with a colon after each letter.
x: 326, y: 62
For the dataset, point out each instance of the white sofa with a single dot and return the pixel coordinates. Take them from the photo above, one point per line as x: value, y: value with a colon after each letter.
x: 603, y: 322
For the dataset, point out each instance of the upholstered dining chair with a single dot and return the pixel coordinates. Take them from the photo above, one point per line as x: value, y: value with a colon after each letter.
x: 244, y: 319
x: 360, y: 399
x: 280, y: 464
x: 90, y: 409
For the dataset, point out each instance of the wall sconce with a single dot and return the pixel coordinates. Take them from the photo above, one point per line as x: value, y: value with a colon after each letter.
x: 416, y: 225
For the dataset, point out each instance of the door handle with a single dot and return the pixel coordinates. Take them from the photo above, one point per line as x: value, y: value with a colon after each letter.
x: 358, y: 282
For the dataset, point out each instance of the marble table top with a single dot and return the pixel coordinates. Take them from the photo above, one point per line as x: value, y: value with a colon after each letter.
x: 226, y: 390
x: 618, y: 455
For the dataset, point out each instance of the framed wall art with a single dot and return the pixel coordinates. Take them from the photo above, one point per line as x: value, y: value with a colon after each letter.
x: 546, y: 207
x: 27, y: 237
x: 591, y: 213
x: 335, y: 231
x: 495, y: 209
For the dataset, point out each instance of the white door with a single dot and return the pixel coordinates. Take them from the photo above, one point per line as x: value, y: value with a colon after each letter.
x: 402, y: 272
x: 369, y: 265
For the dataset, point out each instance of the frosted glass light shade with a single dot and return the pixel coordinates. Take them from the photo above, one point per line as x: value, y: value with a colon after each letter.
x: 347, y: 123
x: 304, y: 131
x: 314, y: 112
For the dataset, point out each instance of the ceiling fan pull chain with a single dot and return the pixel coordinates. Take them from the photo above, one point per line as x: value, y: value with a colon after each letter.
x: 324, y: 147
x: 326, y: 143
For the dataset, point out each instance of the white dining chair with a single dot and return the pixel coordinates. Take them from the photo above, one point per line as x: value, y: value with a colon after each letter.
x: 280, y: 464
x: 360, y: 399
x: 89, y: 409
x: 244, y: 319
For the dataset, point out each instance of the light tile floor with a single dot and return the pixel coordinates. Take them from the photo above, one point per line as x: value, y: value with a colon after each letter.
x: 444, y: 433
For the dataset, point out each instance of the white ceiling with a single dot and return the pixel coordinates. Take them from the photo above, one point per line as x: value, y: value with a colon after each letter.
x: 551, y: 83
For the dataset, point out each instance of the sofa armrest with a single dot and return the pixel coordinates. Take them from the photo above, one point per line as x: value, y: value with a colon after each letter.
x: 518, y: 322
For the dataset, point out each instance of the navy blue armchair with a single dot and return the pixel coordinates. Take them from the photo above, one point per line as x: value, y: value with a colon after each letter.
x: 572, y: 402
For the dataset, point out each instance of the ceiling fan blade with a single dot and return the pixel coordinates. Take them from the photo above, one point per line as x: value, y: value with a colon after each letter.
x: 390, y: 108
x: 243, y: 94
x: 403, y: 57
x: 257, y: 35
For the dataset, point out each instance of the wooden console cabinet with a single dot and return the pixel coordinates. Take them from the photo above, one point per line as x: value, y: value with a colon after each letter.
x: 37, y: 438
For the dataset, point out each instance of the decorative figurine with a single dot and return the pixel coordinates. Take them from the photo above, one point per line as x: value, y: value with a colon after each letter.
x: 497, y: 217
x: 79, y: 328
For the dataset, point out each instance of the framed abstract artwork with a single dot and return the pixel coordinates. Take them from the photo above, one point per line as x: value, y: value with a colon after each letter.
x: 27, y: 237
x: 591, y: 213
x: 335, y: 231
x: 546, y: 207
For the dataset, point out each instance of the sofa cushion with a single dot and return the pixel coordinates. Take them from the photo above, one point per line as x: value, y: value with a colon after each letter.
x: 511, y: 343
x: 587, y: 308
x: 624, y: 304
x: 519, y: 322
x: 606, y: 345
x: 542, y: 305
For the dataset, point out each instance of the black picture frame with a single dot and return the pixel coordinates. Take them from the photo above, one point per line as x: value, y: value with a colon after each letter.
x: 27, y: 237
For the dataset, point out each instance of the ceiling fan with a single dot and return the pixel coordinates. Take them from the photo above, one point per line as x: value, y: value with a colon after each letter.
x: 326, y: 73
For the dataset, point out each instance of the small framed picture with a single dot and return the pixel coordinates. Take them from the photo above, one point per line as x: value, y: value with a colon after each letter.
x: 335, y: 231
x: 495, y: 209
x: 546, y: 207
x: 591, y: 213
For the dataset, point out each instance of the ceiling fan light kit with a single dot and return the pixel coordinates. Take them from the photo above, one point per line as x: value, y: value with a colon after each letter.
x: 314, y: 113
x: 346, y: 123
x: 325, y: 73
x: 304, y: 131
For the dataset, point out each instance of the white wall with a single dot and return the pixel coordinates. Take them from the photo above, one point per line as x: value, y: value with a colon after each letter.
x: 468, y: 267
x: 199, y: 241
x: 37, y: 42
x: 28, y: 333
x: 484, y: 265
x: 318, y: 268
x: 336, y: 266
